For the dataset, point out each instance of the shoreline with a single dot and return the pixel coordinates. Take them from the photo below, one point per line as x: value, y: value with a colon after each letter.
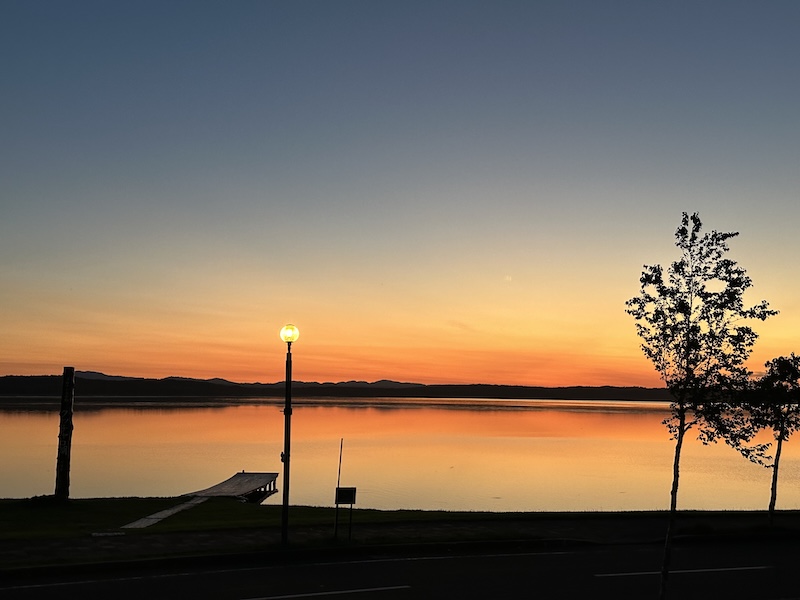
x: 49, y: 403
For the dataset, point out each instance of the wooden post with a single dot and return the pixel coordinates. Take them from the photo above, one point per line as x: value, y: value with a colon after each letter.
x: 65, y: 433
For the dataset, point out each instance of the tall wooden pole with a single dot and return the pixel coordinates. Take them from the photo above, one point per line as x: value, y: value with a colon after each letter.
x: 65, y: 433
x: 287, y: 444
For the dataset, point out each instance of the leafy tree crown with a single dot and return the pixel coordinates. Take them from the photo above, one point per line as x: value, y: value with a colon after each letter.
x: 692, y: 319
x: 775, y: 398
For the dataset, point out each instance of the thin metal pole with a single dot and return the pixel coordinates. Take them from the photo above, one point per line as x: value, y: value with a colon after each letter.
x: 338, y: 482
x: 287, y: 444
x: 339, y: 476
x: 350, y: 532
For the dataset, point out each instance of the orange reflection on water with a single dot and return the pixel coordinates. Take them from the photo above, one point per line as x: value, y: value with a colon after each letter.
x: 460, y: 456
x: 490, y: 459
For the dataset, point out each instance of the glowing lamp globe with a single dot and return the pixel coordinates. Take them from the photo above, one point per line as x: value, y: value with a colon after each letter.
x: 290, y: 333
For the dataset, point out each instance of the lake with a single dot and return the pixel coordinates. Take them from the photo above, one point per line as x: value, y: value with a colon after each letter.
x: 455, y: 455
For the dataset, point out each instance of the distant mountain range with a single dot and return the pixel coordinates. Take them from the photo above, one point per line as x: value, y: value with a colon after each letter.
x: 90, y: 384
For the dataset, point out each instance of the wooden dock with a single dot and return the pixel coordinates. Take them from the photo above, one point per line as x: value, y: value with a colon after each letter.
x: 251, y: 487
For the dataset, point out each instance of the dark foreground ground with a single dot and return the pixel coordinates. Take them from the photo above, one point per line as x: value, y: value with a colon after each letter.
x: 40, y: 534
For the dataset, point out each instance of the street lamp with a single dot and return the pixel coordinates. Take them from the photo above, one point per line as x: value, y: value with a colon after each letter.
x: 289, y: 334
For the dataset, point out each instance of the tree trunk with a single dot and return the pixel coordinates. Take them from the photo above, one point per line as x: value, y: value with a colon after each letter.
x: 774, y: 494
x: 673, y: 505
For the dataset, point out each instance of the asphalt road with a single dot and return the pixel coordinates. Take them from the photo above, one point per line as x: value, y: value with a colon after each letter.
x: 746, y: 570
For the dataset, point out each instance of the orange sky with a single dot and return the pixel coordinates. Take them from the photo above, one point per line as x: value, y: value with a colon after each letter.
x: 539, y: 326
x: 349, y: 350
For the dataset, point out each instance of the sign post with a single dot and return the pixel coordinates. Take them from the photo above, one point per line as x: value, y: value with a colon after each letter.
x: 345, y: 495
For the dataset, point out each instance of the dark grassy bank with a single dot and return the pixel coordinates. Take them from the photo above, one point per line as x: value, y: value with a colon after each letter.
x: 43, y: 532
x: 45, y: 517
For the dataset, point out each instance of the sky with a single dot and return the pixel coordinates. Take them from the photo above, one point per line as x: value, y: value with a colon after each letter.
x: 438, y: 192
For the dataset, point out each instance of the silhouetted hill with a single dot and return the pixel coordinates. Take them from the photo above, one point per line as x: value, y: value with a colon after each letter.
x: 89, y: 384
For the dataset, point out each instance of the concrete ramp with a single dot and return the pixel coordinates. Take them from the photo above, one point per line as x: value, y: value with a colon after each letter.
x: 161, y: 515
x: 250, y: 487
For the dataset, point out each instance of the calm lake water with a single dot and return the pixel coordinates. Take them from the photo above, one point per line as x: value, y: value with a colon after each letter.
x: 457, y: 455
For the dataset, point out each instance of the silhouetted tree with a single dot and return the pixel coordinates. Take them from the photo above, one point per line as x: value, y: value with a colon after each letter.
x: 774, y: 404
x: 692, y: 324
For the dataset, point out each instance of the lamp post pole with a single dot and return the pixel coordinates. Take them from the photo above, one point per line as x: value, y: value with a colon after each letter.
x: 289, y: 334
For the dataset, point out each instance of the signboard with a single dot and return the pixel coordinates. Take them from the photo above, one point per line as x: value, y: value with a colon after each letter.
x: 345, y: 495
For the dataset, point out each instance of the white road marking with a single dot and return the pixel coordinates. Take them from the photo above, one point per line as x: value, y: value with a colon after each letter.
x: 267, y: 567
x: 717, y: 570
x: 335, y: 593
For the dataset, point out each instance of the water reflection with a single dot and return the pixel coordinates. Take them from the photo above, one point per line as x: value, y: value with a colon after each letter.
x: 457, y: 455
